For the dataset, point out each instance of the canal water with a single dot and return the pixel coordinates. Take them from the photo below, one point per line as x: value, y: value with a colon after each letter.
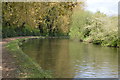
x: 73, y: 59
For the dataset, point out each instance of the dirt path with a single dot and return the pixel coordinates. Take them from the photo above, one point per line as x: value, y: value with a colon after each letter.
x: 9, y: 68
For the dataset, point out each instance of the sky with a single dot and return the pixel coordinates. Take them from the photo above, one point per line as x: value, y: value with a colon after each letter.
x: 109, y: 7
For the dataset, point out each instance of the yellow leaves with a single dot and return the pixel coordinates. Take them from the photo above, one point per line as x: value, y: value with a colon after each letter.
x: 40, y: 21
x: 40, y: 17
x: 13, y: 22
x: 53, y: 3
x: 11, y: 14
x: 33, y: 12
x: 36, y: 10
x: 34, y: 20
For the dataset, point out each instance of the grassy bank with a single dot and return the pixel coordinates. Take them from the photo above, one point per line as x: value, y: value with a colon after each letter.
x: 27, y: 68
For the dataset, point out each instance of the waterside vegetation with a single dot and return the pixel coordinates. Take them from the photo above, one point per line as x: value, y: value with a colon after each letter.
x: 59, y: 19
x: 97, y: 28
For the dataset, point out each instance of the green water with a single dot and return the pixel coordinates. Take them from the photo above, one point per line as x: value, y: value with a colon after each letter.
x: 72, y: 59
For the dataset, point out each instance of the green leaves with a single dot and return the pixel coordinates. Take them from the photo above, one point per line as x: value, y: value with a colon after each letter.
x: 97, y: 28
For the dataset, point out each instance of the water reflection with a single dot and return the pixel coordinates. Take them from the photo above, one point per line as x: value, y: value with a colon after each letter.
x: 69, y: 59
x: 94, y: 61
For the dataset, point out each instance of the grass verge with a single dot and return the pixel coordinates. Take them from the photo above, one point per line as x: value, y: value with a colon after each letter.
x: 27, y: 67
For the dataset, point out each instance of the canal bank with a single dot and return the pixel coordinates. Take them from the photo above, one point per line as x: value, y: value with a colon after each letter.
x: 16, y: 64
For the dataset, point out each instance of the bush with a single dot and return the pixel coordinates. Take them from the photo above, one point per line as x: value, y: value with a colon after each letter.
x: 19, y: 31
x: 97, y: 28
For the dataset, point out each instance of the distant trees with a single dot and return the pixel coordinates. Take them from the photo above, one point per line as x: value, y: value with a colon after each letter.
x: 97, y: 28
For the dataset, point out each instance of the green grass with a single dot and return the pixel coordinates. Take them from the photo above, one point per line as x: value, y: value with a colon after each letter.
x: 27, y: 68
